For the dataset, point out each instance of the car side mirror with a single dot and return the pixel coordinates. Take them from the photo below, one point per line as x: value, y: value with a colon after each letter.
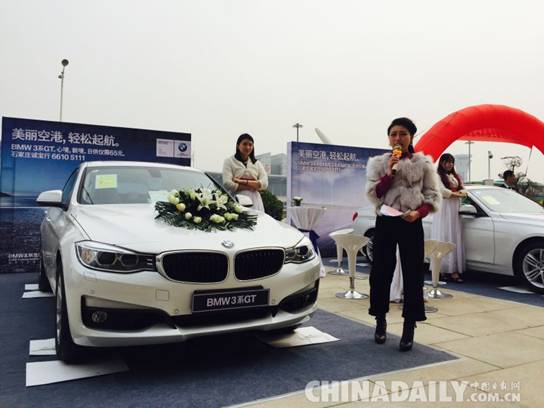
x: 468, y: 209
x: 244, y: 200
x: 51, y: 198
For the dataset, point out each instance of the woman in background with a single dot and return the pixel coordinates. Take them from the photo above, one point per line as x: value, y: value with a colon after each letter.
x: 244, y: 174
x: 447, y: 223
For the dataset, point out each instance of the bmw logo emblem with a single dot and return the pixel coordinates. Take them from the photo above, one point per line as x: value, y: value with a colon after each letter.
x: 227, y: 244
x: 182, y: 147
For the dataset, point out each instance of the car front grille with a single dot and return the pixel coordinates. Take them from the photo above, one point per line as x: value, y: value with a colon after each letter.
x: 258, y: 263
x: 198, y: 267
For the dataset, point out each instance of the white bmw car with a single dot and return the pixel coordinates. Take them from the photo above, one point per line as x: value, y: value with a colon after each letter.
x: 123, y: 278
x: 503, y: 233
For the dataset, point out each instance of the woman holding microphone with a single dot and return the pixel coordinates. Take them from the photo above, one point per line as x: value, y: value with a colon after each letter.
x: 404, y: 185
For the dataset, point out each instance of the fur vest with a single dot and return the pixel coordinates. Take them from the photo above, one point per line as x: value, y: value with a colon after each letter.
x: 416, y: 182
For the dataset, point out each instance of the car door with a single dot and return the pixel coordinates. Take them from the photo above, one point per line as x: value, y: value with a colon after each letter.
x: 479, y: 237
x: 54, y: 225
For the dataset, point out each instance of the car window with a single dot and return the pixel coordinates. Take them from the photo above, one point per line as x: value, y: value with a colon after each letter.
x: 506, y: 201
x: 136, y: 185
x: 69, y: 187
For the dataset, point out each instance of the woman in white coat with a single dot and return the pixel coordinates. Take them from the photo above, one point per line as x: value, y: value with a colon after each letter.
x: 447, y: 223
x: 244, y: 174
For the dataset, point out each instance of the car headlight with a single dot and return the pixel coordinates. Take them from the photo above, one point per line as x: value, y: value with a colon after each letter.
x: 110, y: 258
x: 302, y: 252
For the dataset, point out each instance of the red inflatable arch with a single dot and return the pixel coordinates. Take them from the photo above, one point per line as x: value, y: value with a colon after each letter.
x: 483, y: 123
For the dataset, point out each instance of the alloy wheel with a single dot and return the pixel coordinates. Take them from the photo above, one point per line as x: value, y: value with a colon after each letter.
x: 533, y: 267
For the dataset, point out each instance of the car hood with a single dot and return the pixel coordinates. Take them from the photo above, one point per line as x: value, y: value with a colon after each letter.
x: 525, y: 218
x: 134, y: 226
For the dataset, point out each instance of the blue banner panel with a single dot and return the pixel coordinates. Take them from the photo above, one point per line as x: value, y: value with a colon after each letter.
x: 332, y: 177
x: 39, y: 155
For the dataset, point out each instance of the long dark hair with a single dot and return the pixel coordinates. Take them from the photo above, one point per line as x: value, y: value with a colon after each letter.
x: 408, y: 125
x: 445, y: 158
x: 241, y: 138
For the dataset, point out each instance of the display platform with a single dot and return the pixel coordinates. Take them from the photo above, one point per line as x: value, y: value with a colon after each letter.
x: 210, y: 372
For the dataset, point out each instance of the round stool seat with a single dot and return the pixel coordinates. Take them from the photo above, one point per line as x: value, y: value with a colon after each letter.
x: 439, y: 250
x: 352, y: 243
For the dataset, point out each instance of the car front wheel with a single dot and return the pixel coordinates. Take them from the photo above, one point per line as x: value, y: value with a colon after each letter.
x: 529, y: 265
x: 67, y: 350
x: 43, y: 283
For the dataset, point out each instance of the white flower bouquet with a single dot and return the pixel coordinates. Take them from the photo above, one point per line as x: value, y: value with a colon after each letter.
x: 204, y: 209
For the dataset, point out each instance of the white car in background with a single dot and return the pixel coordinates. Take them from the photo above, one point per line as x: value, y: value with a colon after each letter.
x: 503, y: 233
x: 123, y: 278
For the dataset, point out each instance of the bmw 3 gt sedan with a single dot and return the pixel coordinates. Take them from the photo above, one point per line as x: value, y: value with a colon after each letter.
x: 122, y: 277
x: 503, y: 233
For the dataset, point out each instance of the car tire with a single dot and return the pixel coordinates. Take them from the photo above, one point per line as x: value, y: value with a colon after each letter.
x: 66, y: 349
x: 529, y: 265
x: 367, y: 249
x: 43, y: 283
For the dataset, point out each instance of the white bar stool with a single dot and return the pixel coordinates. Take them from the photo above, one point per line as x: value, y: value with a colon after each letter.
x: 438, y: 250
x: 352, y: 243
x: 339, y: 258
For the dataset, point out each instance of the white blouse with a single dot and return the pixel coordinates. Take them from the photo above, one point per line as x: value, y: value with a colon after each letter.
x: 446, y: 192
x: 233, y: 167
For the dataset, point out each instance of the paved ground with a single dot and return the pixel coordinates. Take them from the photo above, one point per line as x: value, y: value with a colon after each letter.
x: 498, y: 342
x: 210, y: 371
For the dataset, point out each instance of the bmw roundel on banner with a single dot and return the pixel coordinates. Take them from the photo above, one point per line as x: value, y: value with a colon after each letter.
x: 182, y: 149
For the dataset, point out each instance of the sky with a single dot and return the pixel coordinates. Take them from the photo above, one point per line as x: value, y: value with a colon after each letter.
x: 217, y: 69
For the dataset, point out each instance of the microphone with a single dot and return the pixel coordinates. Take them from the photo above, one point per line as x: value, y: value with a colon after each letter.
x: 397, y: 152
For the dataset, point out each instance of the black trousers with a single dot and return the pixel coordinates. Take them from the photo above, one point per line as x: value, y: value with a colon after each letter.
x: 390, y: 232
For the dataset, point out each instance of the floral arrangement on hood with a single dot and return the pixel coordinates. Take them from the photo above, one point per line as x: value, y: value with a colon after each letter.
x: 204, y: 209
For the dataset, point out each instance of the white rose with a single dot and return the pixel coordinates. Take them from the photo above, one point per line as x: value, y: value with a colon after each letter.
x: 188, y: 216
x: 197, y: 220
x: 180, y: 207
x: 238, y: 208
x: 228, y: 216
x: 217, y: 219
x: 173, y: 199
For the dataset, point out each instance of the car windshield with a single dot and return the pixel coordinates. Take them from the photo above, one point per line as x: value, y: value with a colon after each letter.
x: 506, y: 201
x: 136, y: 185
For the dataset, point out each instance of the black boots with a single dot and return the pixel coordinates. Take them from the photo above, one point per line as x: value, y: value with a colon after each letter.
x: 381, y: 327
x: 407, y: 339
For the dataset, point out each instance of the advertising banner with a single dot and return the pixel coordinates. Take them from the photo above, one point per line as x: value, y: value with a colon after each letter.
x: 39, y: 155
x: 331, y: 177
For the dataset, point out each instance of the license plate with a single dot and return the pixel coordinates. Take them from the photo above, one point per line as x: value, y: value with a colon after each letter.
x: 205, y: 302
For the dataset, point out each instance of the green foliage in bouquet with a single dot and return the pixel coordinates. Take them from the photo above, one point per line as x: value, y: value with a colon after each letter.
x: 204, y: 209
x: 272, y: 205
